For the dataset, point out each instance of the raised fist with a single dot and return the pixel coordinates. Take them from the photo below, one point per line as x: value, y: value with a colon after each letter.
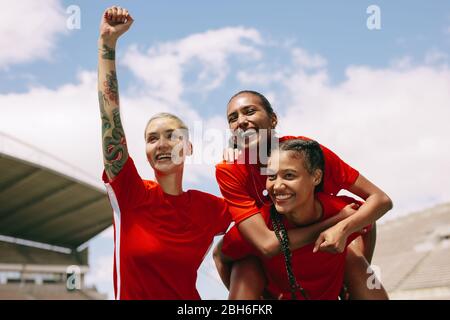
x: 115, y: 22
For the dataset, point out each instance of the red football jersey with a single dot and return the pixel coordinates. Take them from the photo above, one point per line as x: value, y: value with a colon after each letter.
x: 321, y: 274
x: 242, y: 185
x: 160, y: 240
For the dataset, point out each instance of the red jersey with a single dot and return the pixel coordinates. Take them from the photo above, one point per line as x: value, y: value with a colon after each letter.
x: 242, y: 185
x: 160, y: 240
x: 321, y: 274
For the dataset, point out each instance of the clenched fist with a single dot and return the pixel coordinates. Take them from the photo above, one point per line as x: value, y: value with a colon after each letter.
x: 115, y: 22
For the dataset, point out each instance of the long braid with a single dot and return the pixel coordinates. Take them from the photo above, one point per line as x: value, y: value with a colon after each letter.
x: 282, y: 236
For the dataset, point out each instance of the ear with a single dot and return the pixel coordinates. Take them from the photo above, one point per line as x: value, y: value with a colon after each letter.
x: 274, y: 121
x: 189, y: 149
x: 318, y: 174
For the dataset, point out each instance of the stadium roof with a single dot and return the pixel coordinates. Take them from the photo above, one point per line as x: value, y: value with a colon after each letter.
x: 45, y: 205
x: 413, y: 253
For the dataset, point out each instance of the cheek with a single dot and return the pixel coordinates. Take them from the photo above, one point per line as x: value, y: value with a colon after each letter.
x: 269, y: 185
x: 262, y: 120
x: 149, y: 148
x: 232, y: 125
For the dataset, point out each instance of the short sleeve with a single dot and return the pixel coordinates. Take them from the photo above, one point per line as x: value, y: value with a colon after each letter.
x: 221, y: 217
x: 338, y: 174
x: 240, y: 204
x: 235, y: 246
x: 127, y: 187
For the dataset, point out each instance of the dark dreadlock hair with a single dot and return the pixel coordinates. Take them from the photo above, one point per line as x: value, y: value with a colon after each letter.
x: 313, y: 160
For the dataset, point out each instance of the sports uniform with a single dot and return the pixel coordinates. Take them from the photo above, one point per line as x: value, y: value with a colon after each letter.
x: 160, y: 240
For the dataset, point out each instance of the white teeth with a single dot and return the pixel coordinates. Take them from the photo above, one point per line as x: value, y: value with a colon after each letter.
x: 164, y: 156
x: 247, y: 133
x: 283, y: 196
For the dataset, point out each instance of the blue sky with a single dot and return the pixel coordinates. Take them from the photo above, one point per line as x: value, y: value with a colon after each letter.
x: 379, y: 98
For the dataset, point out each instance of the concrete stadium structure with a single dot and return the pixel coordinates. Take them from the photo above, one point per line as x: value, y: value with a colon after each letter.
x: 46, y: 218
x: 413, y: 254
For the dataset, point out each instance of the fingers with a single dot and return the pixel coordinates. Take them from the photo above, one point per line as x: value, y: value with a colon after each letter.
x: 330, y: 247
x: 118, y: 15
x: 354, y: 206
x: 230, y: 155
x: 327, y: 247
x: 318, y: 243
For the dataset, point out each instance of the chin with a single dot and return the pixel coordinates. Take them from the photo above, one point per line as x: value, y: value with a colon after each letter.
x: 251, y: 146
x: 168, y: 168
x: 282, y: 209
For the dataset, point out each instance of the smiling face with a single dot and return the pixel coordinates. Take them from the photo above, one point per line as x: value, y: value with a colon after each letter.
x: 166, y: 145
x: 247, y: 115
x: 289, y: 183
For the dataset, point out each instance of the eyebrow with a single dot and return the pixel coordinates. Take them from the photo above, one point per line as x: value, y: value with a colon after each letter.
x: 155, y: 133
x: 271, y: 172
x: 242, y: 108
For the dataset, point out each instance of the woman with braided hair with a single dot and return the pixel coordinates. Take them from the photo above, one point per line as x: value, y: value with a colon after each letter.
x: 161, y: 233
x: 294, y: 183
x: 242, y: 183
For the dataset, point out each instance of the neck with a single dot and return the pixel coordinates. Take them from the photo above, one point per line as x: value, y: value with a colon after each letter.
x: 171, y: 183
x: 258, y: 155
x: 310, y: 212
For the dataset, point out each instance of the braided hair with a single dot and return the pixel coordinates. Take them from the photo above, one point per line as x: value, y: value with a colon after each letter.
x: 313, y: 159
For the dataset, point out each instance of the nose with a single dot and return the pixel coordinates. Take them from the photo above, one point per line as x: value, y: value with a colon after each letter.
x: 163, y: 143
x: 275, y: 186
x: 278, y: 185
x: 242, y: 121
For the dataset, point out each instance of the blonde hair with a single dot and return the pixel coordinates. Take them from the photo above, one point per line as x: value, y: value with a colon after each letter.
x: 166, y: 115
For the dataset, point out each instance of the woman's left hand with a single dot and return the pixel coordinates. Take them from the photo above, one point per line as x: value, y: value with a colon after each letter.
x: 332, y: 240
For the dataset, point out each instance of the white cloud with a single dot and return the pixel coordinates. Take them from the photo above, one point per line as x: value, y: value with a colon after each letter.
x: 162, y: 67
x: 405, y: 62
x: 28, y: 30
x: 307, y: 60
x: 435, y: 56
x: 258, y: 77
x: 390, y: 124
x: 65, y: 121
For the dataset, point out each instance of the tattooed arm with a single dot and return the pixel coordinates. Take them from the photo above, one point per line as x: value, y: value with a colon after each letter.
x: 115, y: 22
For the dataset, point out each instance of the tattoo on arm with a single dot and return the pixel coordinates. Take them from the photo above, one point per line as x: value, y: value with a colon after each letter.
x: 108, y: 53
x: 115, y: 152
x: 111, y: 87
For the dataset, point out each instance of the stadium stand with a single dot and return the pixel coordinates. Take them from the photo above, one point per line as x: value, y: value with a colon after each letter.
x: 49, y: 210
x: 413, y: 254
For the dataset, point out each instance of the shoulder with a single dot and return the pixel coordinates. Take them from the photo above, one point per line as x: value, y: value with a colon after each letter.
x: 324, y: 149
x: 207, y: 205
x: 205, y: 198
x: 333, y: 204
x: 284, y: 138
x: 230, y: 167
x: 232, y: 171
x: 151, y: 185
